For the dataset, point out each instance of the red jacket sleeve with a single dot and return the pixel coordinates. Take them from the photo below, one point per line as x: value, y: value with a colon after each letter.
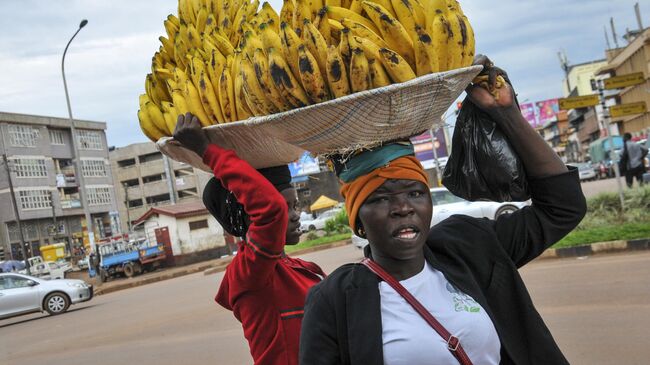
x: 267, y: 209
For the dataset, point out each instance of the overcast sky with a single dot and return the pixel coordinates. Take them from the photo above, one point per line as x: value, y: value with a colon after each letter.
x: 107, y: 62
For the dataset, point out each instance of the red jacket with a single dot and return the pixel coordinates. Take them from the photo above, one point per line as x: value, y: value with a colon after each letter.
x: 264, y: 288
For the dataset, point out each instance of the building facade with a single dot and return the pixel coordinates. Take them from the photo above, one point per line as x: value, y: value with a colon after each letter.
x: 145, y: 178
x: 40, y: 153
x: 635, y: 57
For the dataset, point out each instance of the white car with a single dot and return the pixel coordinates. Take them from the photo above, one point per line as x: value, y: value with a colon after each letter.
x: 22, y: 294
x: 585, y: 170
x: 446, y: 204
x: 318, y: 223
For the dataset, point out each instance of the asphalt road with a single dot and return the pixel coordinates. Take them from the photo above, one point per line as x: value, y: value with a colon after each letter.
x: 593, y: 188
x: 597, y: 308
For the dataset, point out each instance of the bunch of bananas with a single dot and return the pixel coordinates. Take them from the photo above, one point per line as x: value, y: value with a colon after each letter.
x: 225, y: 60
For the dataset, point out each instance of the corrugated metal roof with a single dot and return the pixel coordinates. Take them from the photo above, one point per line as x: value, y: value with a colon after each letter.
x: 176, y: 210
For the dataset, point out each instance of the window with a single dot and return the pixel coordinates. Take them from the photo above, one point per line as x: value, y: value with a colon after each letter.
x: 22, y: 136
x: 150, y: 157
x: 93, y: 168
x: 89, y: 140
x: 126, y: 163
x: 198, y: 225
x: 35, y: 199
x: 99, y: 196
x: 13, y: 282
x: 56, y: 137
x: 30, y: 167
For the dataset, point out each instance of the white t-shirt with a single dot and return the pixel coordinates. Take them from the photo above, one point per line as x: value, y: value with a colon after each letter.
x: 409, y: 340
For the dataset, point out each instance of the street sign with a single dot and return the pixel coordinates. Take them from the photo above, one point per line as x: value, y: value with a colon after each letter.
x: 578, y: 102
x: 628, y: 109
x: 619, y: 82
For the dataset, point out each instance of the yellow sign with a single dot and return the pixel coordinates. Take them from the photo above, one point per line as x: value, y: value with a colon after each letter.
x: 627, y: 109
x: 578, y: 102
x: 619, y: 82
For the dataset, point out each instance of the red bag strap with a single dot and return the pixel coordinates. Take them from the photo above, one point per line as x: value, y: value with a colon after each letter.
x: 453, y: 343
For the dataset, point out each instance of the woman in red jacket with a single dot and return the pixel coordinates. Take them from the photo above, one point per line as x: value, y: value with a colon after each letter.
x: 263, y: 287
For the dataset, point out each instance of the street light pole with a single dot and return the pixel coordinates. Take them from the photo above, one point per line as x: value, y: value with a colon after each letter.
x: 75, y: 144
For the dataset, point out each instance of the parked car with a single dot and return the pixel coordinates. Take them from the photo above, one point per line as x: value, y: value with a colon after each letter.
x: 314, y: 224
x: 585, y: 170
x: 446, y: 204
x: 22, y: 294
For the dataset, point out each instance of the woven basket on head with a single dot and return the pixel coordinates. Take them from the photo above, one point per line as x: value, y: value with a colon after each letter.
x: 339, y: 126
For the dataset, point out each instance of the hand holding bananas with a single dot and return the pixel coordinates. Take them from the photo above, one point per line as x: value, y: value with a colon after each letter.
x: 491, y: 90
x: 226, y: 61
x: 189, y: 133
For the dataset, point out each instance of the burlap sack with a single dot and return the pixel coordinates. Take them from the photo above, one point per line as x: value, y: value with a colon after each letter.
x: 339, y: 126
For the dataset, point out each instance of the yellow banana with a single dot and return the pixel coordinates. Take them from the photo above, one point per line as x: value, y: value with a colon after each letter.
x: 333, y: 3
x: 269, y: 16
x: 286, y: 13
x: 211, y: 24
x: 243, y: 111
x: 193, y: 36
x: 302, y: 11
x: 359, y: 71
x: 283, y: 79
x: 324, y: 27
x: 315, y: 6
x: 457, y: 38
x: 345, y: 46
x: 255, y: 95
x: 362, y: 31
x: 311, y: 77
x: 426, y: 61
x: 290, y: 44
x: 157, y: 118
x: 391, y: 30
x: 148, y: 128
x: 337, y: 76
x: 209, y: 98
x: 469, y: 50
x: 396, y: 67
x: 432, y: 9
x: 406, y: 16
x: 440, y: 40
x: 269, y: 37
x: 194, y: 103
x: 172, y: 25
x: 339, y: 13
x: 168, y: 46
x: 316, y: 44
x: 370, y: 48
x: 378, y: 74
x: 180, y: 104
x: 355, y: 6
x: 222, y: 43
x: 252, y: 43
x: 201, y: 19
x: 227, y: 93
x: 261, y: 65
x: 169, y: 114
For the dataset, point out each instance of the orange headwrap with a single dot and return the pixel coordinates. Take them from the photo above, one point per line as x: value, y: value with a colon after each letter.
x: 357, y: 191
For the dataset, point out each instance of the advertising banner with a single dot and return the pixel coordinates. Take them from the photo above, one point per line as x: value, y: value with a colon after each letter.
x: 423, y: 147
x: 528, y: 111
x: 547, y: 111
x: 306, y: 165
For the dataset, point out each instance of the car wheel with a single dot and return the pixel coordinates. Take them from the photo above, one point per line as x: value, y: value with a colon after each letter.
x: 129, y: 270
x: 103, y: 275
x: 506, y: 209
x: 56, y: 303
x: 312, y: 227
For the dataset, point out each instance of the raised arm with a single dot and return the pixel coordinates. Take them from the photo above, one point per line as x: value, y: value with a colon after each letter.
x: 265, y: 206
x: 558, y: 202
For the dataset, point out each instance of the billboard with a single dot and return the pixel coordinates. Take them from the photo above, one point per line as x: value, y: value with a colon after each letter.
x: 528, y: 111
x: 547, y: 111
x: 305, y: 165
x: 423, y: 147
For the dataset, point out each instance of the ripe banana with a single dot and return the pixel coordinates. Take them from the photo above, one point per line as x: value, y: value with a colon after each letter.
x: 339, y: 13
x: 288, y: 86
x: 315, y: 43
x: 457, y: 39
x: 426, y: 61
x: 396, y: 66
x: 148, y: 128
x: 311, y: 77
x: 290, y: 43
x: 359, y: 71
x: 258, y: 103
x: 392, y: 30
x: 337, y: 76
x: 261, y: 65
x: 378, y: 74
x: 362, y: 31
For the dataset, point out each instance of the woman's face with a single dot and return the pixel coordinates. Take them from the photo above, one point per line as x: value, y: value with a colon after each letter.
x: 396, y: 219
x: 293, y: 225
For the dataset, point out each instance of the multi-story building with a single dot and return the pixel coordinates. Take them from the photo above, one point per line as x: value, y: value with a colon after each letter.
x: 145, y: 178
x: 633, y: 58
x: 40, y: 152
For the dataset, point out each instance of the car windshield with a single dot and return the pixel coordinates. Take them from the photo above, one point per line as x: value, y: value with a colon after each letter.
x: 442, y: 197
x: 584, y: 167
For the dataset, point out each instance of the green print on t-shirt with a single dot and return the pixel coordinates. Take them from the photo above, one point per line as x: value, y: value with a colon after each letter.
x: 462, y: 301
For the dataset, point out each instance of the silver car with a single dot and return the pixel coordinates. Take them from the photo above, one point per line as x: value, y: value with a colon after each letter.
x: 22, y: 294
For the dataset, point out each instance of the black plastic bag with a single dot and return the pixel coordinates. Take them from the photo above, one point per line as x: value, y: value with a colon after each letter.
x: 483, y: 164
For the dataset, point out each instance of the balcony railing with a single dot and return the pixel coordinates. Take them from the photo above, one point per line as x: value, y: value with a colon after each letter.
x: 70, y: 203
x: 66, y: 180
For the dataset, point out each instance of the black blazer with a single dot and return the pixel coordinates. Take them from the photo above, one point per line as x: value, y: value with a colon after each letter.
x: 342, y: 323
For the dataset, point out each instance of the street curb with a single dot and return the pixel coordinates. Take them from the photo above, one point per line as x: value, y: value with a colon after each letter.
x: 207, y: 269
x: 597, y: 248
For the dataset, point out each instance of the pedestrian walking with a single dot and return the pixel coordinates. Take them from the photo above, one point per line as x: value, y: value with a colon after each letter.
x: 461, y: 275
x: 632, y: 160
x: 263, y: 287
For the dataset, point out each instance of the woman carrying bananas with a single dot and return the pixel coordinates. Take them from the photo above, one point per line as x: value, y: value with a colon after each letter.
x: 264, y: 288
x: 461, y: 274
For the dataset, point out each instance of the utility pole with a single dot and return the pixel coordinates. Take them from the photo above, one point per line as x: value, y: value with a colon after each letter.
x: 617, y: 173
x: 435, y: 156
x: 126, y: 203
x: 16, y: 214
